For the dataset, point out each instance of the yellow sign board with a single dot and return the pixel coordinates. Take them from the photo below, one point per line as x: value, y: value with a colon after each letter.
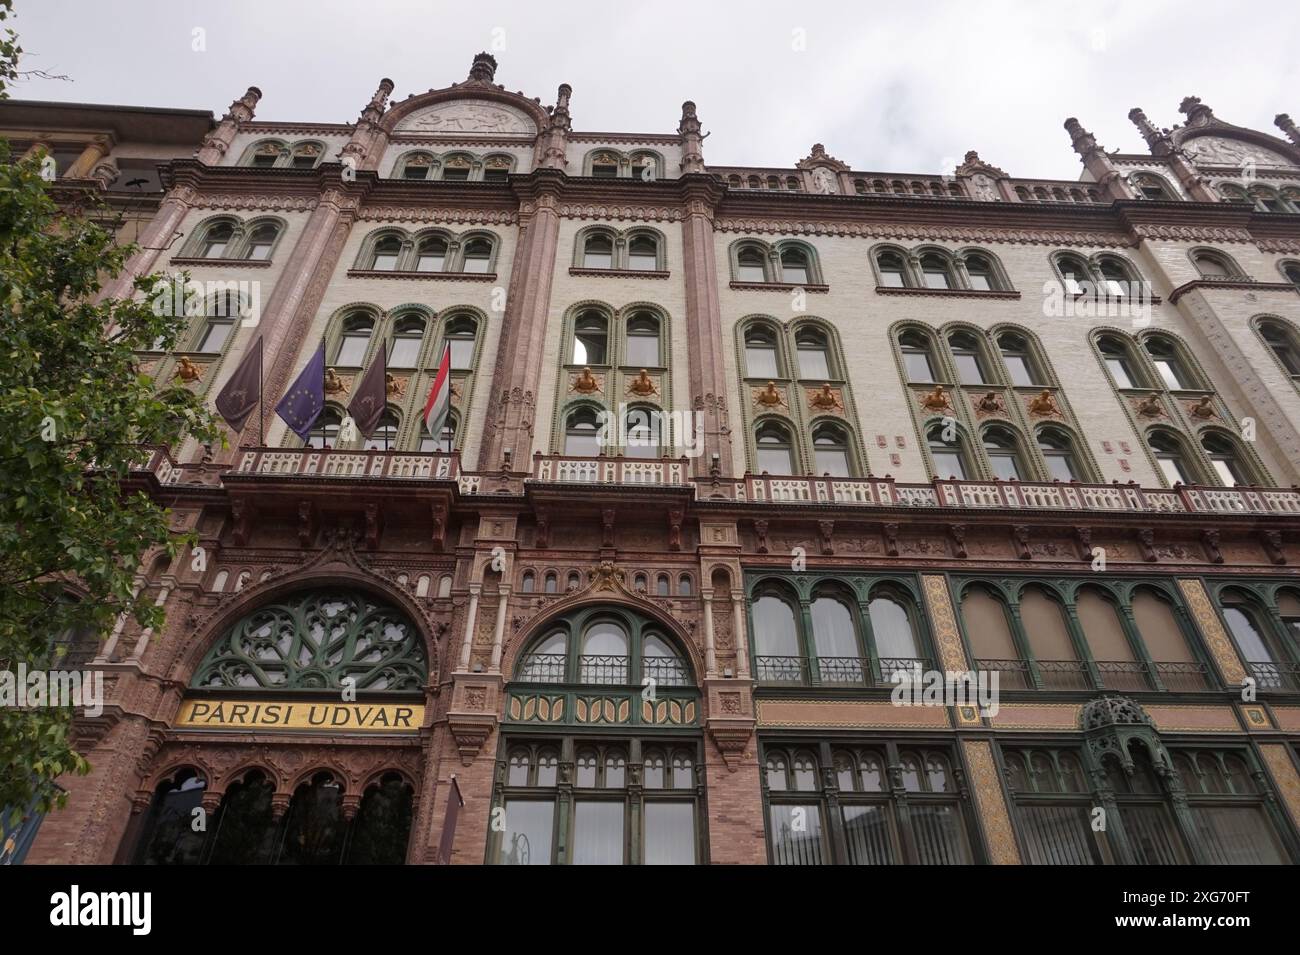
x: 313, y: 716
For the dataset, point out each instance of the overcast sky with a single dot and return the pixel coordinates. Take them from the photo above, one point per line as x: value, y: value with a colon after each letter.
x: 907, y: 86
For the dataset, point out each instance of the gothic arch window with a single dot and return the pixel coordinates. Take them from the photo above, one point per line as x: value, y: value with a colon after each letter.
x: 382, y: 828
x: 324, y: 432
x: 384, y: 437
x: 1150, y: 186
x: 385, y: 254
x: 431, y: 254
x: 936, y: 271
x: 812, y: 349
x: 1019, y: 360
x: 169, y: 837
x: 596, y: 646
x: 477, y: 255
x: 415, y: 166
x: 1283, y: 341
x: 354, y: 342
x: 598, y: 250
x: 315, y: 640
x: 1170, y: 363
x: 918, y: 356
x: 762, y: 357
x: 775, y: 449
x: 1261, y: 647
x: 261, y: 241
x: 581, y: 433
x: 831, y: 450
x: 407, y: 343
x: 461, y: 334
x: 1172, y: 457
x: 1003, y: 450
x: 1215, y: 266
x: 892, y: 270
x: 643, y: 252
x: 1291, y: 272
x: 218, y: 238
x: 590, y: 338
x: 967, y: 354
x: 643, y: 428
x: 1226, y: 459
x: 751, y: 263
x: 1058, y: 450
x: 948, y: 457
x: 244, y: 830
x: 1075, y: 275
x: 1117, y: 356
x: 643, y: 341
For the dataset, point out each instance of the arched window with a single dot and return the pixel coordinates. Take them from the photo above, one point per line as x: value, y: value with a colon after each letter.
x: 982, y: 276
x: 1171, y: 457
x: 266, y: 155
x: 244, y: 830
x: 916, y: 357
x: 1292, y: 272
x: 947, y: 456
x: 529, y: 583
x: 814, y: 354
x: 1164, y: 355
x: 445, y: 443
x: 1018, y: 361
x: 306, y: 155
x: 1255, y: 641
x: 457, y: 168
x: 598, y: 252
x: 384, y: 437
x: 1074, y: 274
x: 477, y: 256
x: 572, y: 581
x: 1283, y: 342
x: 643, y: 253
x: 1004, y: 455
x: 461, y: 334
x: 775, y: 452
x: 1225, y: 458
x: 325, y: 432
x: 217, y: 239
x: 1213, y: 266
x: 604, y: 166
x: 590, y: 339
x: 417, y: 166
x: 831, y: 450
x: 835, y: 641
x: 1233, y: 193
x: 354, y: 341
x: 893, y: 632
x: 776, y: 640
x: 1115, y: 277
x: 662, y: 586
x: 750, y: 264
x: 966, y: 355
x: 1058, y: 452
x: 314, y: 828
x: 220, y: 314
x: 1151, y: 187
x: 432, y: 255
x: 1266, y: 200
x: 1119, y: 362
x: 893, y: 270
x: 580, y: 434
x: 643, y: 341
x: 386, y: 253
x: 497, y: 168
x: 408, y: 337
x: 551, y: 583
x: 795, y: 267
x: 936, y: 271
x: 760, y: 353
x: 169, y: 837
x: 684, y: 585
x: 382, y: 826
x: 260, y: 242
x: 643, y: 428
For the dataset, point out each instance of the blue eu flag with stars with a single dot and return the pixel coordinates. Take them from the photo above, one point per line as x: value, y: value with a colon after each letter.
x: 305, y: 399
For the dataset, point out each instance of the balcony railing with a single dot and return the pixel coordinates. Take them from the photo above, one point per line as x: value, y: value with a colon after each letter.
x: 1283, y: 677
x: 543, y: 668
x: 1122, y: 675
x: 836, y: 671
x: 665, y: 671
x: 603, y: 670
x: 564, y: 469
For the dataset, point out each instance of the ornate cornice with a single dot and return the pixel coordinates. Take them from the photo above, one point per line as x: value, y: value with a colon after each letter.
x: 653, y: 213
x: 437, y: 214
x: 921, y: 232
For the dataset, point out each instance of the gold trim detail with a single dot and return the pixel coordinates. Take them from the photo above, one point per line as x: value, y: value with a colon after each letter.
x: 1215, y: 637
x: 992, y: 805
x: 1285, y: 775
x: 946, y: 634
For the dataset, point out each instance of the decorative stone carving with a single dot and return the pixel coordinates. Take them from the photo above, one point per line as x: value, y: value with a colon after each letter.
x: 1204, y: 408
x: 585, y: 383
x: 1150, y: 407
x: 990, y: 404
x: 335, y: 384
x: 480, y: 117
x: 770, y: 397
x: 187, y: 371
x: 394, y: 387
x: 1043, y: 405
x: 825, y: 398
x: 642, y: 385
x: 936, y: 401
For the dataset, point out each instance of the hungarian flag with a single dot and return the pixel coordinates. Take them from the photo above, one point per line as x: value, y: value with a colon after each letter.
x: 439, y: 403
x: 305, y: 400
x: 368, y: 404
x: 243, y: 392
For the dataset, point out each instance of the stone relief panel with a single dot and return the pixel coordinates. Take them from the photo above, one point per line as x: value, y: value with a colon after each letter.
x: 469, y: 116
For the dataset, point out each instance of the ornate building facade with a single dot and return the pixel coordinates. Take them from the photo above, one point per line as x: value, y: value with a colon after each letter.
x: 730, y: 449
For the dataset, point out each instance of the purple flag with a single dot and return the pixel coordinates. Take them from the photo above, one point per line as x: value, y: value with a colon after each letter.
x: 305, y: 399
x: 243, y: 392
x: 371, y: 398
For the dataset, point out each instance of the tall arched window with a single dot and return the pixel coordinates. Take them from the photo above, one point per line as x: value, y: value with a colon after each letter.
x: 1151, y: 187
x: 1115, y: 277
x: 643, y: 427
x: 776, y: 640
x: 947, y: 456
x: 775, y: 452
x: 408, y: 337
x: 1283, y: 342
x: 1074, y: 273
x: 916, y: 357
x: 221, y: 313
x: 260, y: 242
x: 386, y: 253
x: 794, y: 266
x: 1004, y: 454
x: 384, y: 437
x: 1058, y: 452
x: 643, y: 253
x: 760, y: 353
x: 169, y: 837
x: 580, y: 434
x: 1119, y: 362
x: 461, y: 334
x: 1292, y: 272
x: 432, y: 255
x: 966, y: 354
x: 590, y: 339
x: 814, y: 354
x: 643, y: 350
x: 1171, y: 457
x: 936, y: 271
x: 324, y: 432
x: 981, y: 273
x: 1164, y: 355
x: 598, y: 252
x: 477, y: 256
x: 1018, y: 361
x: 604, y: 655
x: 1213, y: 266
x: 835, y: 641
x: 893, y: 632
x: 217, y: 240
x: 831, y: 450
x: 354, y: 341
x: 1225, y: 458
x: 1258, y: 645
x: 750, y: 266
x: 892, y: 269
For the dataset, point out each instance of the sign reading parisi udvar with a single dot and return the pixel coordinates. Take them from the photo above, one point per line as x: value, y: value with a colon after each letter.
x: 301, y: 715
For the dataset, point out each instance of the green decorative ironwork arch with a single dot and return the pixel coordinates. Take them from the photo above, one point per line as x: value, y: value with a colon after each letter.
x: 314, y: 640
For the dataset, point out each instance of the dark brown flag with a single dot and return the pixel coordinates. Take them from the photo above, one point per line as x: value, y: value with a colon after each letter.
x: 243, y: 392
x: 371, y: 397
